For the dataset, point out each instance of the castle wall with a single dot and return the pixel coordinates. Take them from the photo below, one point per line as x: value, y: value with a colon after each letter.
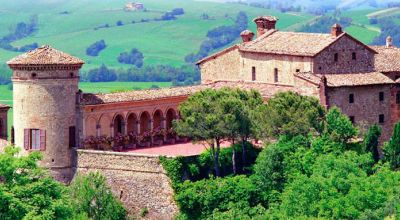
x: 344, y: 47
x: 366, y: 106
x: 223, y: 67
x: 139, y: 181
x: 47, y: 102
x: 265, y: 65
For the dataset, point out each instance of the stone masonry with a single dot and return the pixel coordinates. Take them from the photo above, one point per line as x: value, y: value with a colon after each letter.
x: 138, y: 180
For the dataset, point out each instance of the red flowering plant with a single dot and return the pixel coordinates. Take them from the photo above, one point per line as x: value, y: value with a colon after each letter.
x: 105, y: 143
x: 147, y: 136
x: 121, y: 140
x: 171, y: 133
x: 133, y: 137
x: 90, y: 143
x: 159, y: 133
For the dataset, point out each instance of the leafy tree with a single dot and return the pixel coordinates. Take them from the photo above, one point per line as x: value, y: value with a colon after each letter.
x: 27, y: 191
x: 134, y: 57
x: 339, y: 127
x: 90, y: 194
x: 102, y: 74
x: 201, y: 120
x: 392, y: 148
x: 289, y: 114
x: 371, y: 141
x: 96, y: 48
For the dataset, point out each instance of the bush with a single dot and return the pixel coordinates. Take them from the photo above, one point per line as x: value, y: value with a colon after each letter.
x: 134, y: 57
x: 90, y: 194
x: 96, y: 48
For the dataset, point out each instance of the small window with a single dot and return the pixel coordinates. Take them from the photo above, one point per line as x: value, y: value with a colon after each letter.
x: 381, y: 118
x: 34, y: 139
x: 398, y: 98
x: 276, y: 76
x: 72, y: 137
x: 253, y: 73
x: 381, y: 96
x: 336, y: 57
x: 34, y: 75
x: 71, y: 74
x: 1, y: 128
x: 297, y: 70
x: 351, y: 119
x: 351, y: 98
x: 354, y: 56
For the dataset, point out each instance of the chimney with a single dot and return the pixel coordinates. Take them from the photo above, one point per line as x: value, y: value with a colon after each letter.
x: 389, y: 41
x: 247, y: 36
x: 336, y: 30
x: 264, y: 24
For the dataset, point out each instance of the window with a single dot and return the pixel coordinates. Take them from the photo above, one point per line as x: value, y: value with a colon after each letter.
x: 351, y: 98
x: 33, y: 75
x: 297, y: 70
x: 276, y: 77
x: 381, y: 96
x: 72, y: 137
x: 253, y: 73
x: 351, y: 119
x: 71, y: 74
x: 398, y: 97
x: 354, y: 56
x: 381, y: 118
x: 1, y: 128
x: 34, y: 139
x: 336, y: 57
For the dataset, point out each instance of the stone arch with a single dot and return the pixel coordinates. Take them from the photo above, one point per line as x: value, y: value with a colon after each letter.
x: 118, y: 124
x: 169, y: 117
x: 91, y: 127
x: 145, y: 121
x: 105, y: 124
x: 158, y: 118
x: 132, y: 122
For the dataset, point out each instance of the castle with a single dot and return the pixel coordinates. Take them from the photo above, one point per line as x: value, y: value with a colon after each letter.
x: 53, y: 116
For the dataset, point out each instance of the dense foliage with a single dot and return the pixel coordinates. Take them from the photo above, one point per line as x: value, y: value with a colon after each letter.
x: 324, y: 23
x: 134, y: 57
x: 219, y: 37
x: 29, y: 192
x: 96, y: 48
x: 323, y: 171
x: 388, y: 27
x: 20, y: 31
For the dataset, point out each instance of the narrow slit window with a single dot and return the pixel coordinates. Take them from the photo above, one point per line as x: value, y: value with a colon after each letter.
x: 276, y: 75
x: 354, y: 56
x: 253, y: 73
x: 336, y: 57
x: 351, y: 98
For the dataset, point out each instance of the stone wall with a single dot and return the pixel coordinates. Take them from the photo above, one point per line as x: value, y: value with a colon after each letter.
x: 3, y: 126
x: 344, y: 47
x: 366, y: 106
x: 223, y: 67
x: 138, y: 180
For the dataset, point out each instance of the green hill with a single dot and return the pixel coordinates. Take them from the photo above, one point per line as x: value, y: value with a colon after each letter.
x: 70, y: 26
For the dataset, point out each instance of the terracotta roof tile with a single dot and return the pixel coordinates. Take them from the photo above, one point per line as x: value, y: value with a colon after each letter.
x: 290, y: 43
x: 357, y: 79
x: 266, y: 90
x: 2, y: 106
x: 387, y: 59
x: 45, y: 55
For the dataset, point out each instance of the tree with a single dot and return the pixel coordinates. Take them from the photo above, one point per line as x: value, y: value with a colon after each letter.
x: 90, y: 194
x: 339, y: 127
x: 203, y: 119
x: 102, y: 74
x: 392, y: 148
x: 371, y: 141
x: 289, y: 114
x: 29, y: 192
x: 134, y: 57
x: 96, y: 48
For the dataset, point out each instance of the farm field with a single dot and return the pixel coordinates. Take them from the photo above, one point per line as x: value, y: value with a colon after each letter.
x: 162, y: 42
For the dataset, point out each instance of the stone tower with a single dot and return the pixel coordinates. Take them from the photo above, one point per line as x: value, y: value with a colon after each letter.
x: 45, y: 86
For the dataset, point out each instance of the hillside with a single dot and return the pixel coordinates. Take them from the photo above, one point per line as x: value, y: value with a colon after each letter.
x: 70, y: 26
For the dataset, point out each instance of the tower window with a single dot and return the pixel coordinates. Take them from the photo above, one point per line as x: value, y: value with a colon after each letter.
x: 381, y: 118
x: 336, y: 57
x: 72, y: 137
x: 33, y: 75
x: 276, y: 75
x: 34, y: 139
x: 398, y: 98
x: 354, y: 56
x: 297, y: 70
x: 253, y: 73
x: 71, y: 74
x: 381, y: 96
x: 351, y: 98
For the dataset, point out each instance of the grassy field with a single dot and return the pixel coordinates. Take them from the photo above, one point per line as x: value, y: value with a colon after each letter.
x: 162, y: 42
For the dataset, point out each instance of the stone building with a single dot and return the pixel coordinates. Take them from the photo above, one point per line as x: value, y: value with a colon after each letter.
x: 3, y: 125
x: 53, y: 116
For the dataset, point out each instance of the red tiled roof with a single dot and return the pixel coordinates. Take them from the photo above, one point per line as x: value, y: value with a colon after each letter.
x: 2, y: 106
x: 387, y: 59
x: 348, y: 79
x: 45, y: 55
x: 266, y: 90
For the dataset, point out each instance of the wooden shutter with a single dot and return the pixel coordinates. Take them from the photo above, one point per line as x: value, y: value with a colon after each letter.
x: 43, y: 140
x: 26, y: 139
